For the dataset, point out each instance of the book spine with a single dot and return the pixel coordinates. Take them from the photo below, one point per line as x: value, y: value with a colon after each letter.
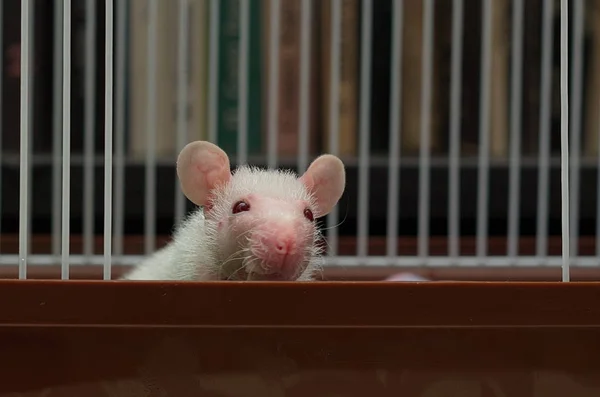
x: 289, y: 78
x: 166, y: 82
x: 228, y: 101
x: 255, y: 103
x: 500, y: 80
x: 348, y: 85
x: 198, y: 76
x: 592, y: 124
x: 349, y: 78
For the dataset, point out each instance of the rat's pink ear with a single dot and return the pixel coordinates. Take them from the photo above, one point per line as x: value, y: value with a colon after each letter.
x: 201, y: 166
x: 325, y: 179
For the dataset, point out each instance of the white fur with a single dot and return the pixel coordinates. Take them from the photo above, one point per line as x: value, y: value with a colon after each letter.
x: 193, y: 254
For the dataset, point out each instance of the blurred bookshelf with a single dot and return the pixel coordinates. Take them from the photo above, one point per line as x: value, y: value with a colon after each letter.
x: 134, y: 191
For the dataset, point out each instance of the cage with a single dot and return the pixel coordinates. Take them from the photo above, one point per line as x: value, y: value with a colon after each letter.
x: 468, y: 169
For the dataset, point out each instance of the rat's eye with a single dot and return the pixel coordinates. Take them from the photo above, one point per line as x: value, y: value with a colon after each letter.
x: 308, y: 214
x: 241, y: 206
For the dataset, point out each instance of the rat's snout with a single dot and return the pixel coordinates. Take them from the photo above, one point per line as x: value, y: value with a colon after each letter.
x: 276, y: 243
x: 280, y: 247
x: 283, y: 244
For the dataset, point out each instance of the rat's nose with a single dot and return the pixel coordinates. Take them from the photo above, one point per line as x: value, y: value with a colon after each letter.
x: 284, y: 245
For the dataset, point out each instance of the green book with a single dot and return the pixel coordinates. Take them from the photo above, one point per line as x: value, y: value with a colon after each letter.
x: 229, y: 36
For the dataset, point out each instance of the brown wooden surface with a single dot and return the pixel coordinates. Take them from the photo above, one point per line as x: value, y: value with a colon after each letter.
x: 437, y: 339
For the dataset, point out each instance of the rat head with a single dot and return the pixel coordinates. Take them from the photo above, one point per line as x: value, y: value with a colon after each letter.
x: 262, y: 222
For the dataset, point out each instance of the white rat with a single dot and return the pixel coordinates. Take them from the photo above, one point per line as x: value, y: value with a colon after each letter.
x: 255, y: 224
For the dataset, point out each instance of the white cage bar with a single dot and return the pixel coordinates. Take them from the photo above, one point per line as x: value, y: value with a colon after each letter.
x: 66, y: 142
x: 89, y: 127
x: 564, y: 137
x: 515, y: 127
x: 544, y: 134
x: 415, y: 190
x: 151, y: 128
x: 424, y: 156
x: 455, y: 115
x: 484, y: 132
x: 108, y: 137
x: 395, y: 132
x: 24, y: 168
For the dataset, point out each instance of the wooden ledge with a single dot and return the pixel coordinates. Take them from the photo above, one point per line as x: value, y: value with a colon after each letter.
x: 230, y: 339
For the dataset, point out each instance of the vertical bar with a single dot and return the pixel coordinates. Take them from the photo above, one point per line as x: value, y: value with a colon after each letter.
x: 56, y: 128
x: 24, y: 138
x: 89, y: 129
x: 544, y: 134
x: 424, y: 155
x: 119, y: 190
x: 484, y: 131
x: 365, y: 118
x: 576, y: 95
x: 213, y: 70
x: 150, y: 205
x: 564, y: 135
x: 515, y: 129
x: 242, y: 143
x: 598, y: 197
x: 395, y: 131
x: 455, y: 115
x: 305, y: 86
x: 182, y: 98
x: 108, y: 136
x: 334, y: 100
x: 66, y: 153
x: 273, y: 82
x: 1, y: 81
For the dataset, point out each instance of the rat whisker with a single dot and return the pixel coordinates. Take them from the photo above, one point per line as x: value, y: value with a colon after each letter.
x: 245, y: 260
x: 231, y: 257
x: 248, y: 263
x: 234, y: 273
x: 234, y: 256
x: 245, y: 234
x: 324, y: 229
x: 328, y: 246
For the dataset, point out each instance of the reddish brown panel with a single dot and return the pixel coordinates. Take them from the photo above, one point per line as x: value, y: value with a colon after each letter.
x: 295, y: 339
